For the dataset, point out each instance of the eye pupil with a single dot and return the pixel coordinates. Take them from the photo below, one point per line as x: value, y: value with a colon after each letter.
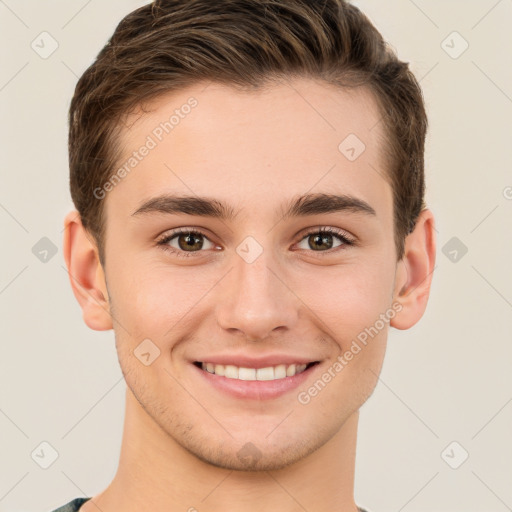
x: 191, y: 241
x: 322, y: 239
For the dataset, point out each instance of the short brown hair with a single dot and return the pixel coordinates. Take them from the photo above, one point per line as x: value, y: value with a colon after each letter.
x: 170, y: 44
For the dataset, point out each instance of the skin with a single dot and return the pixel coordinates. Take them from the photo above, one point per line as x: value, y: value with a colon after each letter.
x: 254, y: 151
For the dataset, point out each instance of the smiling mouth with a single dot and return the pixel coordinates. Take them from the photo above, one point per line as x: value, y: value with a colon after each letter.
x: 277, y: 372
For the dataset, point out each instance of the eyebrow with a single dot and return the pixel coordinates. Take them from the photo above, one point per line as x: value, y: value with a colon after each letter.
x: 304, y: 205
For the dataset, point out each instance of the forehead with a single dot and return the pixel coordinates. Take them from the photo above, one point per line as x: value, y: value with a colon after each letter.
x: 256, y: 148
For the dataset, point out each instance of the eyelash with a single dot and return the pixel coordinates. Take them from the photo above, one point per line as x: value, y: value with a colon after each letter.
x: 341, y: 235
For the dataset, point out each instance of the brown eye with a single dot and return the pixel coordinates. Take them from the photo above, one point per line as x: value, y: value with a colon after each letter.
x: 318, y: 240
x: 322, y: 240
x: 188, y: 242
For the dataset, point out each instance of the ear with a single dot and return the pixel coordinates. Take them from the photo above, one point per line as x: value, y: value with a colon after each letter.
x: 86, y: 273
x: 414, y: 272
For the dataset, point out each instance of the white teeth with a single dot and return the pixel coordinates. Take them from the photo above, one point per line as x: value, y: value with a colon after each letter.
x: 247, y: 373
x: 265, y: 373
x: 231, y: 372
x: 279, y: 371
x: 290, y: 371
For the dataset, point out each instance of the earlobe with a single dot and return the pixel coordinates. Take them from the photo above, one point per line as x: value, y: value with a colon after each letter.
x: 415, y: 272
x: 86, y: 274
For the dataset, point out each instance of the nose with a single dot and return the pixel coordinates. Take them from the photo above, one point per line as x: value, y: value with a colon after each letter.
x: 256, y: 299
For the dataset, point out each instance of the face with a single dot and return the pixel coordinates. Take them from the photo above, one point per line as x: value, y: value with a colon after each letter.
x: 245, y: 282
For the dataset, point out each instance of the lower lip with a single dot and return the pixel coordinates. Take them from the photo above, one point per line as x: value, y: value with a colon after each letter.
x: 256, y: 389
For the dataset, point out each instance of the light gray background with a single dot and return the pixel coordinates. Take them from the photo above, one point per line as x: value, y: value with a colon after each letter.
x: 447, y: 379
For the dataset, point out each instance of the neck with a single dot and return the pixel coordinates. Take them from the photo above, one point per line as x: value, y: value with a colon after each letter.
x: 156, y: 473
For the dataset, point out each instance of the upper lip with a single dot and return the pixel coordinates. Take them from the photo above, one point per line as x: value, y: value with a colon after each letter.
x: 246, y: 361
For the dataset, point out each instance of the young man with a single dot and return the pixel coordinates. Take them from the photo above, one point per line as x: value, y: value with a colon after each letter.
x: 249, y: 184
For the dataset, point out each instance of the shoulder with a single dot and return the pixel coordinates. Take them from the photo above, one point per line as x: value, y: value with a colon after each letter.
x: 72, y: 506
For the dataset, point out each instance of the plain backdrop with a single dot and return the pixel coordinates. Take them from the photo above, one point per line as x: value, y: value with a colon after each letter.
x: 436, y: 433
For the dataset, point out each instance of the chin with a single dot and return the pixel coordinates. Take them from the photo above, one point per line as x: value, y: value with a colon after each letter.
x: 251, y: 458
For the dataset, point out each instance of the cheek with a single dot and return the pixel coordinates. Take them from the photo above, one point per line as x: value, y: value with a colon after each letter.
x: 151, y: 300
x: 348, y: 298
x: 347, y: 306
